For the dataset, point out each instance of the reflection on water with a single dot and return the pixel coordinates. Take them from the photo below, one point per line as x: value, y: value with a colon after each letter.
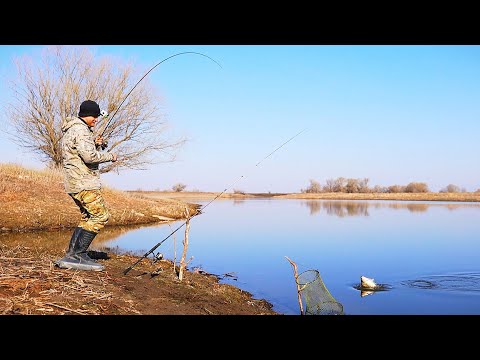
x: 57, y: 241
x: 339, y: 208
x: 342, y: 208
x: 364, y: 293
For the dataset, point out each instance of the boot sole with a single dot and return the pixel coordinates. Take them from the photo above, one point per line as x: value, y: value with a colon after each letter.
x: 68, y: 265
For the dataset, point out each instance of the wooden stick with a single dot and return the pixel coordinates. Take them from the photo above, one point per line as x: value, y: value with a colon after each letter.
x: 185, y: 246
x: 174, y: 262
x: 64, y: 308
x: 295, y: 273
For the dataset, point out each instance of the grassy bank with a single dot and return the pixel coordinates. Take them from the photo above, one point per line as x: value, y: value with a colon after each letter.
x: 36, y: 200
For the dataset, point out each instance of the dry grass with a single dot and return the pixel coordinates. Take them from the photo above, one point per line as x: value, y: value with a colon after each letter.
x: 36, y: 200
x: 30, y: 285
x: 15, y: 178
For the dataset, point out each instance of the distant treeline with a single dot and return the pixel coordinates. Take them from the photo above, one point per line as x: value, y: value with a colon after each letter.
x: 344, y: 185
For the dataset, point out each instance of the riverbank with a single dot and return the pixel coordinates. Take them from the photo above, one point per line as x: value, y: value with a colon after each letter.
x: 36, y: 220
x: 35, y: 200
x: 31, y: 285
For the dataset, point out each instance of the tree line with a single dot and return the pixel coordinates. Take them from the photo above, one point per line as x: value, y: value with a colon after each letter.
x: 350, y: 185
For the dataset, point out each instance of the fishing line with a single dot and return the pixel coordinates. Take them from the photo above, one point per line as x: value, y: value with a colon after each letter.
x: 203, y: 207
x: 258, y: 163
x: 148, y: 72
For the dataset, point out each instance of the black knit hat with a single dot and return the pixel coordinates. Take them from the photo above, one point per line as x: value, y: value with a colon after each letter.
x: 89, y: 108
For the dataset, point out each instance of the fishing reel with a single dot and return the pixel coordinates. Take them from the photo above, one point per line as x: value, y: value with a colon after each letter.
x: 102, y: 144
x: 158, y: 256
x: 104, y: 114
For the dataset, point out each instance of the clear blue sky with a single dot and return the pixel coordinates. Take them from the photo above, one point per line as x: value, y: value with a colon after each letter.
x: 393, y: 114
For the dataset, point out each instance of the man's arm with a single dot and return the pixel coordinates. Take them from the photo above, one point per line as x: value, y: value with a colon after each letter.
x: 88, y: 151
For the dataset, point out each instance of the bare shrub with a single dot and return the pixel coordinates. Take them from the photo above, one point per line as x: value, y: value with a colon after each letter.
x: 396, y: 189
x: 380, y: 189
x: 450, y: 188
x: 179, y: 187
x: 417, y: 187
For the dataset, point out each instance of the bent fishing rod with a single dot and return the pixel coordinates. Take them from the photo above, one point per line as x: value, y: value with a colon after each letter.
x: 105, y: 113
x: 203, y: 207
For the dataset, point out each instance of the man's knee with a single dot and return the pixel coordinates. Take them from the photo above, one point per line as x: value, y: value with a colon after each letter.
x: 100, y: 220
x: 103, y: 217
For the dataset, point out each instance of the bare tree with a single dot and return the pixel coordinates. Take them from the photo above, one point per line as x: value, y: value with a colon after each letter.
x: 339, y: 184
x: 329, y: 185
x: 363, y: 185
x: 314, y: 187
x: 52, y: 88
x: 352, y: 186
x: 451, y: 188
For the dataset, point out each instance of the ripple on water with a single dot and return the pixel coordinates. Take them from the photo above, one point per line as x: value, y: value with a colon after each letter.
x: 469, y: 282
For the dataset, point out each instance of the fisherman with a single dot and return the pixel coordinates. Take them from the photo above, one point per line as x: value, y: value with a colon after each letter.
x: 81, y: 159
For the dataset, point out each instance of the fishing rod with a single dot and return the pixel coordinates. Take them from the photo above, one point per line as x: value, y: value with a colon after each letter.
x: 203, y: 208
x: 105, y: 114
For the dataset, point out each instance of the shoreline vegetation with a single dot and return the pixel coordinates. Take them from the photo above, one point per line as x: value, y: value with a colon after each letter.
x: 36, y: 219
x: 427, y: 196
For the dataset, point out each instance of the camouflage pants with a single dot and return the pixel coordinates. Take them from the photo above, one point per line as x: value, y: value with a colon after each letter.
x: 92, y: 206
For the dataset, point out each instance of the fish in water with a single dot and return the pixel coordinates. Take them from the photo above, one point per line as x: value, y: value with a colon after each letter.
x: 367, y: 283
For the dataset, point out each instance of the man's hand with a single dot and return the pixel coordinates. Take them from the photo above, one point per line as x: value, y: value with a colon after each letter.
x: 114, y: 157
x: 100, y: 142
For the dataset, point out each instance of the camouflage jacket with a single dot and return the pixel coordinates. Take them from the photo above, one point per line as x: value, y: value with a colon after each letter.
x: 80, y: 156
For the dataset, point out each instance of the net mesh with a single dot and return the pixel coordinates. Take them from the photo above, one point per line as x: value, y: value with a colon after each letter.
x: 315, y: 295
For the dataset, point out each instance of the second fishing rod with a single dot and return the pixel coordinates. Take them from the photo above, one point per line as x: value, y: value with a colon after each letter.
x: 203, y: 207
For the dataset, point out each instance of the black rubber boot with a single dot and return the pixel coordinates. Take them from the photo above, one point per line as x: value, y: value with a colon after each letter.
x: 68, y: 254
x: 73, y: 240
x: 78, y: 259
x: 84, y: 240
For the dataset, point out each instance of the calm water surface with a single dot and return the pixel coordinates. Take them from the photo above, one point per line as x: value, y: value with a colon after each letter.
x: 426, y: 253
